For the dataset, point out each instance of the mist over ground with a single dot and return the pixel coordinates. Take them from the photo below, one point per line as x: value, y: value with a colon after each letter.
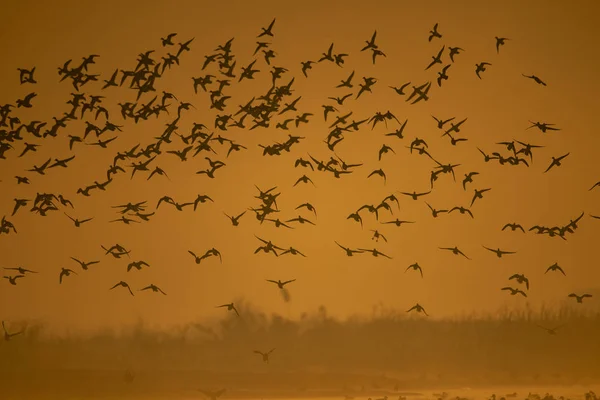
x: 386, y: 353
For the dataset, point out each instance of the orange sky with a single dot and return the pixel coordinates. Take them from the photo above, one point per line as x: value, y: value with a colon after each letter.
x: 552, y: 40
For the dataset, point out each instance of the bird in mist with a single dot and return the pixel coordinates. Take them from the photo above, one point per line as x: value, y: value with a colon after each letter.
x: 122, y: 284
x: 265, y: 356
x: 154, y: 288
x: 514, y: 291
x: 499, y: 253
x: 416, y: 267
x: 551, y: 331
x: 65, y: 272
x: 279, y: 283
x: 580, y: 298
x: 597, y: 184
x: 7, y: 335
x: 230, y: 307
x: 555, y: 267
x: 520, y: 279
x: 212, y: 395
x: 418, y: 308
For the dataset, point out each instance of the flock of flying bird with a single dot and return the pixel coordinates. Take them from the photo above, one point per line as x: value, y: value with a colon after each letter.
x: 270, y: 109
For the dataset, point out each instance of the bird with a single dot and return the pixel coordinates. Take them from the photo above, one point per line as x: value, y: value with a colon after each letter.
x: 21, y: 270
x: 579, y: 298
x: 265, y: 356
x: 7, y: 335
x: 520, y: 279
x: 235, y: 219
x: 230, y: 307
x: 514, y: 291
x: 556, y: 161
x: 478, y: 195
x: 65, y: 272
x: 268, y: 30
x: 434, y: 33
x: 13, y: 279
x: 416, y: 267
x: 349, y: 252
x: 500, y: 42
x: 480, y: 68
x: 499, y: 253
x: 455, y: 251
x: 418, y: 308
x: 513, y: 226
x: 535, y: 78
x: 212, y: 395
x: 122, y: 284
x: 279, y: 283
x: 551, y: 331
x: 154, y: 288
x: 555, y: 267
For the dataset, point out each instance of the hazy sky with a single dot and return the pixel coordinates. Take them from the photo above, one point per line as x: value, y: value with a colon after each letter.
x: 554, y: 40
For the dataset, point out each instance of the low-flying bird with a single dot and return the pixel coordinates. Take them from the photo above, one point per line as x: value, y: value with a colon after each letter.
x: 418, y: 308
x: 520, y: 279
x: 230, y: 307
x: 279, y: 283
x: 580, y: 298
x: 551, y: 331
x: 265, y: 356
x: 7, y: 335
x: 514, y: 291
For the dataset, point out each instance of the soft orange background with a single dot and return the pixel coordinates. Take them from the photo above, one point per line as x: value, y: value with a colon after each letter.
x: 553, y: 39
